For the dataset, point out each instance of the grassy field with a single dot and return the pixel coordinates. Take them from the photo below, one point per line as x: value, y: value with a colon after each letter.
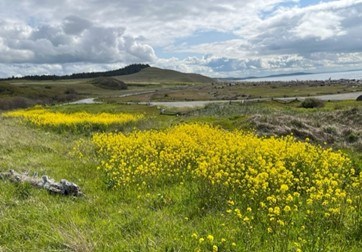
x: 172, y: 216
x: 234, y: 91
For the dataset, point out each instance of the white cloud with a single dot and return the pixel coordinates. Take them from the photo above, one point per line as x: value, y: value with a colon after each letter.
x: 321, y: 25
x: 268, y: 35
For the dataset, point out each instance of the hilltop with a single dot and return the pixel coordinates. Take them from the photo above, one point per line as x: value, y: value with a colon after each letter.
x: 157, y: 75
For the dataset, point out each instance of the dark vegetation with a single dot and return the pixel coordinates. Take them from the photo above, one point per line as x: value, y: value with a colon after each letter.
x: 109, y: 83
x: 131, y: 69
x: 8, y: 103
x: 312, y: 103
x: 14, y: 96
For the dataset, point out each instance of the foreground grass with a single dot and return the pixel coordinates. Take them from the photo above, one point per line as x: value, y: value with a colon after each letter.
x: 102, y: 220
x: 163, y: 218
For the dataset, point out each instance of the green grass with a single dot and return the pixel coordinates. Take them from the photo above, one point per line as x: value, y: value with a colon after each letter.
x: 83, y: 87
x: 155, y: 219
x: 153, y: 75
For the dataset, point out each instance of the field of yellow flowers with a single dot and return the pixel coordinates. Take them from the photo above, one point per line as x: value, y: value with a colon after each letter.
x: 79, y: 121
x: 280, y: 185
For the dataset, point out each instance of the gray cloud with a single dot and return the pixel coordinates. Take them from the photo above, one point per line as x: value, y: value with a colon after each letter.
x: 73, y: 40
x: 75, y: 25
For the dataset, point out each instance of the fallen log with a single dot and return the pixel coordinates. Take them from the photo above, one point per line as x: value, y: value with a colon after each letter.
x: 64, y: 187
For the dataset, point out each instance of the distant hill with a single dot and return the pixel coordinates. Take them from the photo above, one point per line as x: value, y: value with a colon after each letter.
x: 262, y: 77
x: 158, y: 75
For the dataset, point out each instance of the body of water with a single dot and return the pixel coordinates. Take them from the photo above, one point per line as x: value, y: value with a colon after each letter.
x: 357, y: 75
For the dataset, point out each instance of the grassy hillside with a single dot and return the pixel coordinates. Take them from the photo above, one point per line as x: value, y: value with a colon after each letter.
x: 24, y: 93
x: 158, y: 75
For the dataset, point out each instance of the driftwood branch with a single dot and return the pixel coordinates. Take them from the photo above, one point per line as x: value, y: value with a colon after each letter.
x: 64, y: 187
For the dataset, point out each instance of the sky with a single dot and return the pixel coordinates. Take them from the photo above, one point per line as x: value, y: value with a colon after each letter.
x: 217, y: 38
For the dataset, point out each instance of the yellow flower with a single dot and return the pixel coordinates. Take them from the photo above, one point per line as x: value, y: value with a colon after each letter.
x: 210, y: 238
x: 284, y: 188
x: 280, y: 222
x: 276, y: 210
x: 287, y: 209
x: 231, y: 202
x: 215, y: 248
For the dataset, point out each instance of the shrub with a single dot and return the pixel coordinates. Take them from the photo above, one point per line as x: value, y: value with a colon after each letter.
x: 15, y: 102
x: 312, y: 103
x: 109, y: 83
x: 70, y: 91
x: 6, y: 89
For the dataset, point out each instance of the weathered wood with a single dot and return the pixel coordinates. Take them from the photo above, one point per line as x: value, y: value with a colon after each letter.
x: 64, y: 187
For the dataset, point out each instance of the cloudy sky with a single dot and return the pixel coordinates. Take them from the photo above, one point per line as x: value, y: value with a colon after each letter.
x: 218, y: 38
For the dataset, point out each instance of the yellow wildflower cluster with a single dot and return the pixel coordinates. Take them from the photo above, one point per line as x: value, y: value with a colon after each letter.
x: 275, y: 176
x: 209, y: 243
x: 45, y: 118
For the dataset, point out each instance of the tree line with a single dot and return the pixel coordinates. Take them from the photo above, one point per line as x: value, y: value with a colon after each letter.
x: 130, y: 69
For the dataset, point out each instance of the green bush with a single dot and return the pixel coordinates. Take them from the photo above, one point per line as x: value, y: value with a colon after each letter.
x: 312, y: 103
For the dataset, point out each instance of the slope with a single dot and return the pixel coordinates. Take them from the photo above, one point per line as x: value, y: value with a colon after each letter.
x: 156, y: 75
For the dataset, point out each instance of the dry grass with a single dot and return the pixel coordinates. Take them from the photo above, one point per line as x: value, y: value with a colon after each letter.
x: 75, y: 238
x: 340, y: 128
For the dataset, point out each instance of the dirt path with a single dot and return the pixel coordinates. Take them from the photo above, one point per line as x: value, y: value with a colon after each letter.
x: 85, y: 101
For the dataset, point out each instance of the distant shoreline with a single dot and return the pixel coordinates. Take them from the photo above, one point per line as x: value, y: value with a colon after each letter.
x: 302, y: 76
